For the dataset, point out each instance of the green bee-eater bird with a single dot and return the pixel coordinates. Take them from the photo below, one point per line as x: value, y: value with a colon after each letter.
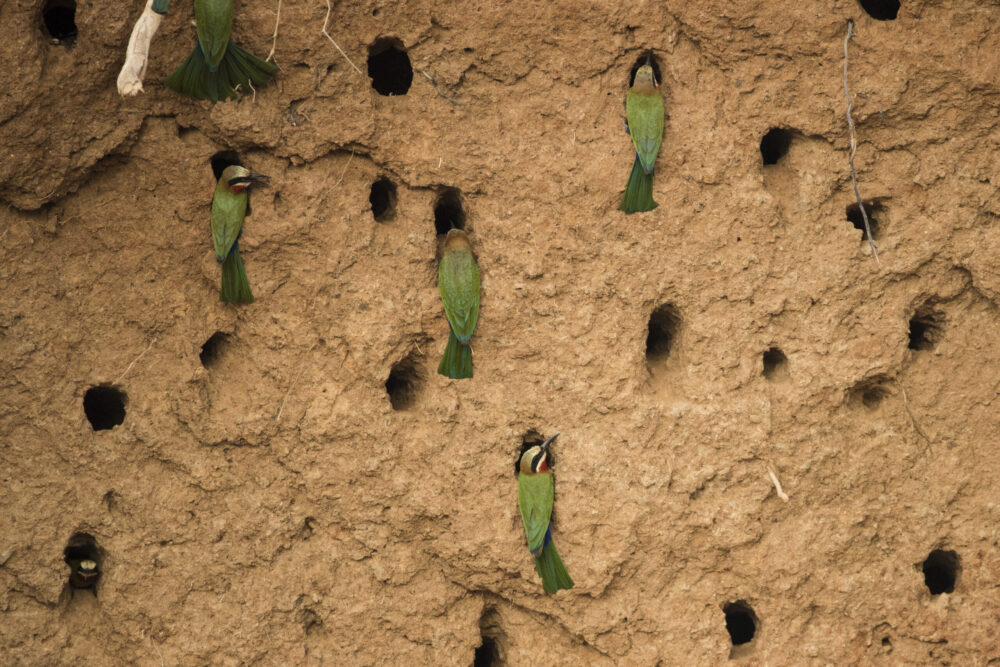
x: 218, y: 66
x: 644, y: 112
x: 83, y: 573
x: 458, y: 280
x: 535, y: 490
x: 229, y: 207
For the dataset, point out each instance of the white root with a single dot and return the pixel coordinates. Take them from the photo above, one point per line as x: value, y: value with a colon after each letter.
x: 137, y: 53
x: 777, y: 484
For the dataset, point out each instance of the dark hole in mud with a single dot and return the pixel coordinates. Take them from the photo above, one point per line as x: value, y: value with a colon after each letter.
x: 59, y: 20
x: 404, y: 382
x: 104, y: 406
x: 662, y: 331
x: 389, y: 67
x: 941, y: 571
x: 774, y: 145
x: 83, y: 557
x: 448, y: 212
x: 212, y: 349
x: 775, y: 364
x: 383, y: 200
x: 741, y: 622
x: 881, y: 10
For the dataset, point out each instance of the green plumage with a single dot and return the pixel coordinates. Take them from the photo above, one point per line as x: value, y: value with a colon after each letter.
x: 535, y: 493
x: 644, y: 112
x: 229, y: 208
x: 458, y: 281
x: 218, y: 69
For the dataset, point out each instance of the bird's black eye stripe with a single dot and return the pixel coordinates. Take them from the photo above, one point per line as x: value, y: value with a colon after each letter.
x: 535, y: 461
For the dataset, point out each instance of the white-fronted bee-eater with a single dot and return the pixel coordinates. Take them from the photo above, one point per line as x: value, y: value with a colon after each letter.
x: 535, y: 493
x: 229, y: 207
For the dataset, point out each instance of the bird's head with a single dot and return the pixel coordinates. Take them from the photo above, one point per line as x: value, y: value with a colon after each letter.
x: 457, y: 239
x: 535, y: 459
x: 644, y: 76
x: 238, y: 178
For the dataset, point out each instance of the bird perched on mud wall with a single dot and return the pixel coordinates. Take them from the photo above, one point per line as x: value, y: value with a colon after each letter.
x: 535, y: 494
x: 644, y: 114
x: 218, y: 69
x: 458, y: 280
x: 229, y: 207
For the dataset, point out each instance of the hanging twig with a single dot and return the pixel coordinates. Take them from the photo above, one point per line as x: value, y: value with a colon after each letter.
x: 134, y: 361
x: 274, y: 40
x: 777, y: 484
x: 854, y: 146
x: 137, y: 52
x: 329, y: 8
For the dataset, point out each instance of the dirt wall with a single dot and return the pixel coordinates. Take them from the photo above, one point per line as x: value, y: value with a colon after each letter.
x: 269, y: 499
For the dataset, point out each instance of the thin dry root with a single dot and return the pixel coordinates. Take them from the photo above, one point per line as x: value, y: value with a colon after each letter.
x: 137, y: 52
x: 777, y: 484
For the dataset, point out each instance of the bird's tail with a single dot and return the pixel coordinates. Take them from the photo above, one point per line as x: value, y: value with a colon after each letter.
x: 638, y: 195
x: 235, y: 287
x: 238, y: 72
x: 551, y: 569
x: 457, y: 360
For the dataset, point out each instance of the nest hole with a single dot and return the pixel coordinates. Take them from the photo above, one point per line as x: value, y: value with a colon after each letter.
x: 104, y: 406
x: 775, y: 365
x: 874, y: 211
x: 941, y: 570
x: 649, y: 57
x: 212, y: 349
x: 404, y: 382
x: 389, y: 67
x: 741, y: 623
x: 449, y: 212
x: 925, y: 329
x: 881, y: 10
x: 487, y: 654
x: 83, y: 557
x: 871, y: 392
x: 59, y: 21
x: 383, y: 200
x: 774, y: 145
x: 223, y: 159
x: 664, y: 324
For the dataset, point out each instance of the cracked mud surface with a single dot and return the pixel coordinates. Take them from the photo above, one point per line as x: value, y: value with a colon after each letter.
x: 273, y: 507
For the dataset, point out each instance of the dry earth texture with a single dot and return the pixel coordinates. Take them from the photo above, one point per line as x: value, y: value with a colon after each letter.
x: 291, y: 482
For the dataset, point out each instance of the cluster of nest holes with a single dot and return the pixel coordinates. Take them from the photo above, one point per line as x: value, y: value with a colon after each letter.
x: 941, y: 569
x: 383, y: 200
x: 389, y: 67
x: 870, y: 392
x: 742, y: 625
x: 448, y: 211
x: 104, y: 406
x: 774, y: 145
x: 405, y: 381
x: 664, y: 323
x: 881, y: 10
x: 775, y: 365
x: 925, y: 328
x: 212, y: 349
x: 84, y: 559
x: 646, y: 58
x: 59, y: 21
x: 874, y: 210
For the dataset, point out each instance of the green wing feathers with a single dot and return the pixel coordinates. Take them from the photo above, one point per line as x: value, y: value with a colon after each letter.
x: 645, y: 124
x: 235, y: 286
x: 534, y: 498
x: 552, y: 571
x: 228, y: 211
x: 458, y: 280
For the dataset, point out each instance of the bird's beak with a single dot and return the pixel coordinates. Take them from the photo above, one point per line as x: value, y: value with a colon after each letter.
x: 248, y: 179
x: 545, y: 445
